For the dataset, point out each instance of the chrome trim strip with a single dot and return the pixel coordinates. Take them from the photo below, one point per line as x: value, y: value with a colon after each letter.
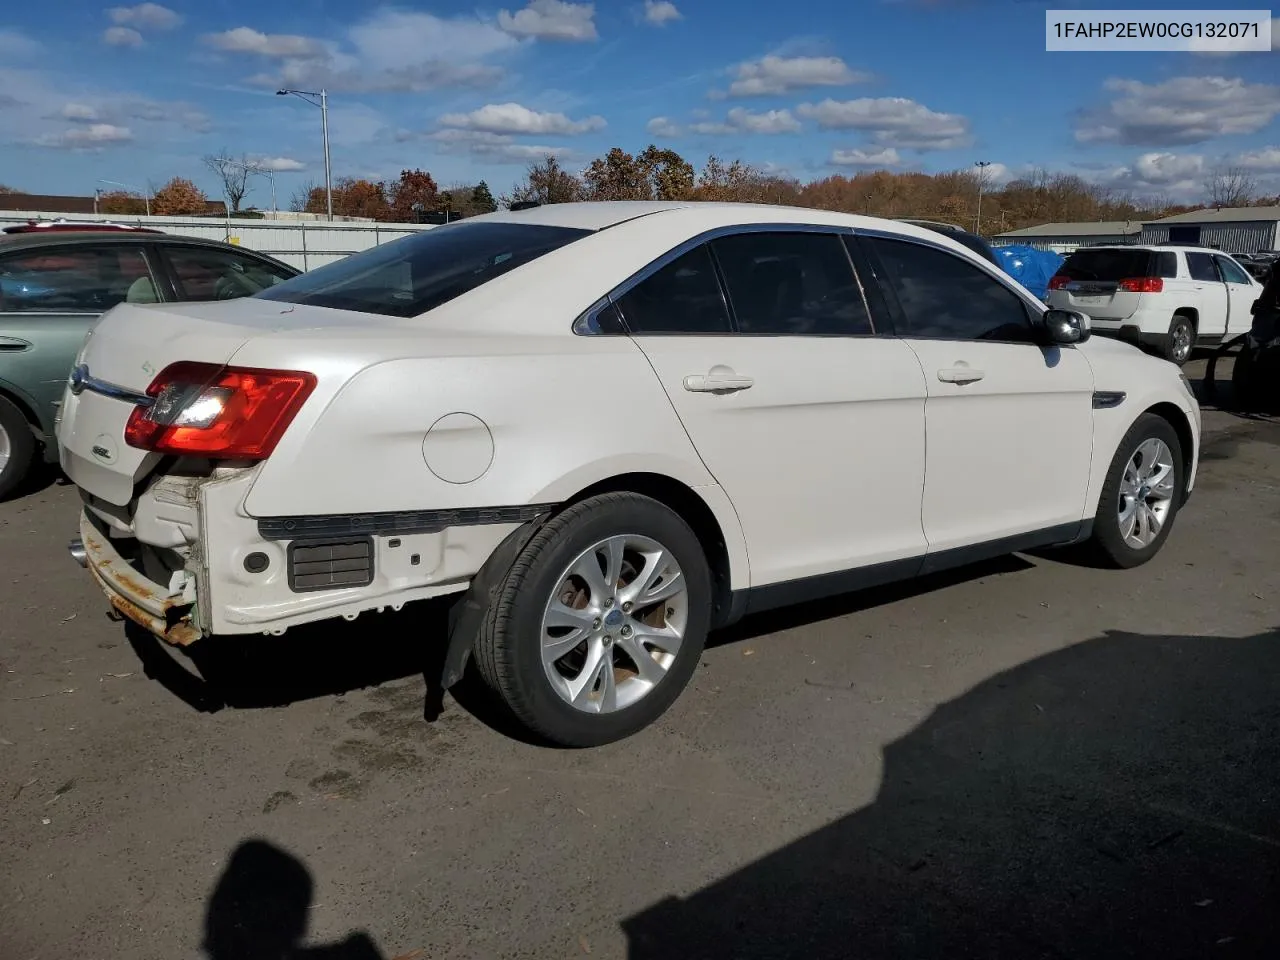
x: 80, y: 381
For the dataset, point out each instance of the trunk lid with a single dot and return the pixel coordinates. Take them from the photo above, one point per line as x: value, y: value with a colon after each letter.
x: 120, y: 357
x: 1091, y: 278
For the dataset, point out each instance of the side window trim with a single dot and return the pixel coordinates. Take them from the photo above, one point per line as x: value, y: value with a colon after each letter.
x: 614, y: 298
x: 894, y: 305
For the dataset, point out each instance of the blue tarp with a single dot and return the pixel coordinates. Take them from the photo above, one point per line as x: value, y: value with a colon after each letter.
x: 1030, y: 267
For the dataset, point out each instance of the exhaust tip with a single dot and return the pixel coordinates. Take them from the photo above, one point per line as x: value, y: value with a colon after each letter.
x: 76, y: 548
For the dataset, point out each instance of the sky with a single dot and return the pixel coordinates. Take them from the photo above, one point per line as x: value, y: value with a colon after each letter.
x: 139, y: 93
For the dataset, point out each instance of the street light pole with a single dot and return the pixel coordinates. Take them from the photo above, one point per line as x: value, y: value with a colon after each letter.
x: 982, y: 176
x: 320, y: 100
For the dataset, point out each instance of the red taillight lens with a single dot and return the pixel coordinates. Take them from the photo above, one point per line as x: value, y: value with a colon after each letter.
x: 1142, y: 285
x: 227, y: 413
x: 1058, y: 282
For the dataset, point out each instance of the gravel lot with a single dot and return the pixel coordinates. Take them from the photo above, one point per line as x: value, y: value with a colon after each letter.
x: 1027, y: 759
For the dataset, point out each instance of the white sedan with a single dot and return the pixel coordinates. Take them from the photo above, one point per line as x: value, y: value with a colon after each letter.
x: 607, y: 428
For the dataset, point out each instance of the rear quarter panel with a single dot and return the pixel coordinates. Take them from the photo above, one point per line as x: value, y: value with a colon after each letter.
x: 557, y: 413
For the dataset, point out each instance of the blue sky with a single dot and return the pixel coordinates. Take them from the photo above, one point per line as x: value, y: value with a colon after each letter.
x: 138, y: 93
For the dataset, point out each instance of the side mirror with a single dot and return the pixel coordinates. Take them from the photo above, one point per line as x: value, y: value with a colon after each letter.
x: 1066, y: 326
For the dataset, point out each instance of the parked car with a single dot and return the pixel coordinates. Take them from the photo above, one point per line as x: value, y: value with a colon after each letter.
x: 57, y: 278
x: 970, y: 240
x: 1169, y: 299
x: 605, y: 429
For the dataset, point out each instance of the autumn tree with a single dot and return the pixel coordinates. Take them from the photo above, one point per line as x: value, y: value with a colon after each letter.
x: 546, y: 182
x: 669, y: 175
x: 178, y: 197
x: 301, y: 199
x: 233, y: 173
x: 615, y: 176
x: 482, y: 199
x: 415, y: 188
x: 352, y: 197
x: 122, y: 202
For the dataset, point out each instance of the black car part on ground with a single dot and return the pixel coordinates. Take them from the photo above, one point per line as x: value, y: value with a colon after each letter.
x: 1255, y: 377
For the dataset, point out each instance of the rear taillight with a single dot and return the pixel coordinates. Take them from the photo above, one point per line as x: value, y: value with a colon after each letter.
x: 1142, y: 285
x: 227, y: 413
x: 1058, y: 282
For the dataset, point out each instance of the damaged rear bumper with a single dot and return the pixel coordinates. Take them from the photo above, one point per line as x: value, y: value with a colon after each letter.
x: 168, y: 611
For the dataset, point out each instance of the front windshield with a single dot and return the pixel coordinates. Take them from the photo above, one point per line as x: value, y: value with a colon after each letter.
x: 415, y: 274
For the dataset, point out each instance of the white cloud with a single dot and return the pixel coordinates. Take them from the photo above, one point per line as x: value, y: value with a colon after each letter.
x: 280, y: 45
x: 775, y: 75
x: 494, y: 147
x: 662, y: 127
x: 121, y: 37
x: 512, y: 118
x: 1179, y: 111
x: 392, y: 50
x: 1266, y: 159
x: 15, y: 45
x: 85, y: 138
x: 551, y: 20
x: 892, y: 122
x: 279, y: 164
x: 79, y: 113
x: 150, y: 15
x: 737, y: 121
x: 885, y: 157
x: 660, y: 12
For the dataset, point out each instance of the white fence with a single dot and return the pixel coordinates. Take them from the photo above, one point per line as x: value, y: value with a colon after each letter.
x: 305, y: 244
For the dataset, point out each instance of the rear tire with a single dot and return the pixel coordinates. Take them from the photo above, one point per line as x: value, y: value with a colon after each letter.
x: 609, y: 684
x: 1181, y: 340
x: 1141, y: 495
x: 17, y: 448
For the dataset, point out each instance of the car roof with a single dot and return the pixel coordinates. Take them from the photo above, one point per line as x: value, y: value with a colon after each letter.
x: 10, y: 242
x: 600, y: 215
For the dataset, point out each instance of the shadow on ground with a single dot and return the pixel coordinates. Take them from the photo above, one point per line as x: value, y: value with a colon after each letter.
x: 1118, y: 798
x: 259, y: 911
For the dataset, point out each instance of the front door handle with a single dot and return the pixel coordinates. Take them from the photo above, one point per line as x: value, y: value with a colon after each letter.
x: 960, y: 375
x: 717, y: 383
x: 14, y: 345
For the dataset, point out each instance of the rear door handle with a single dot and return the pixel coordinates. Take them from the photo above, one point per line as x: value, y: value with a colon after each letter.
x: 960, y: 375
x: 717, y: 383
x: 14, y: 345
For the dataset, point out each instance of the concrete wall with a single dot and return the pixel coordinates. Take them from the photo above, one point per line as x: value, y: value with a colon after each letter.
x: 306, y: 244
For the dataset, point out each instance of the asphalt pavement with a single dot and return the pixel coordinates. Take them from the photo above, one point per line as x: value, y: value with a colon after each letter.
x: 1026, y: 759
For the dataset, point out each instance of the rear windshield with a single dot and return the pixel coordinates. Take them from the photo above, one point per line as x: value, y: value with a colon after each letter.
x: 410, y: 276
x: 1116, y: 265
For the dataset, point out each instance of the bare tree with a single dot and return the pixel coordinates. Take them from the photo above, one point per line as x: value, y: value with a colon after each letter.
x: 1230, y: 187
x: 301, y: 196
x: 234, y: 173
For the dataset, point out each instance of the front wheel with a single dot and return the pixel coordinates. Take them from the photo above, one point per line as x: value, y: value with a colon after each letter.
x: 599, y: 624
x: 1141, y: 496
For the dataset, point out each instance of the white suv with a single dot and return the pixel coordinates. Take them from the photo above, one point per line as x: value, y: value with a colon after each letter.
x: 1170, y: 299
x: 606, y: 428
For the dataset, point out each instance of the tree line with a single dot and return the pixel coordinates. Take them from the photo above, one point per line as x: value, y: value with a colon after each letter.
x: 1037, y: 197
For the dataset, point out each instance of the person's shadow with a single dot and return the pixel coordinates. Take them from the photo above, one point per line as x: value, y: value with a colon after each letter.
x: 258, y: 911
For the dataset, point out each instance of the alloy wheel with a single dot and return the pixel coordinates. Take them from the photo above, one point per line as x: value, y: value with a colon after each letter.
x: 1146, y: 493
x: 614, y: 624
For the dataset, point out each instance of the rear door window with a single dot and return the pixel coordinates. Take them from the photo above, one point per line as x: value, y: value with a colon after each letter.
x: 792, y: 284
x: 1200, y: 266
x: 683, y: 297
x: 75, y: 279
x: 418, y: 273
x: 1109, y: 265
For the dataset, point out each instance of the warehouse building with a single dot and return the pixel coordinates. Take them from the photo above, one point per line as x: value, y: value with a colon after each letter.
x: 1066, y: 237
x: 1229, y: 229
